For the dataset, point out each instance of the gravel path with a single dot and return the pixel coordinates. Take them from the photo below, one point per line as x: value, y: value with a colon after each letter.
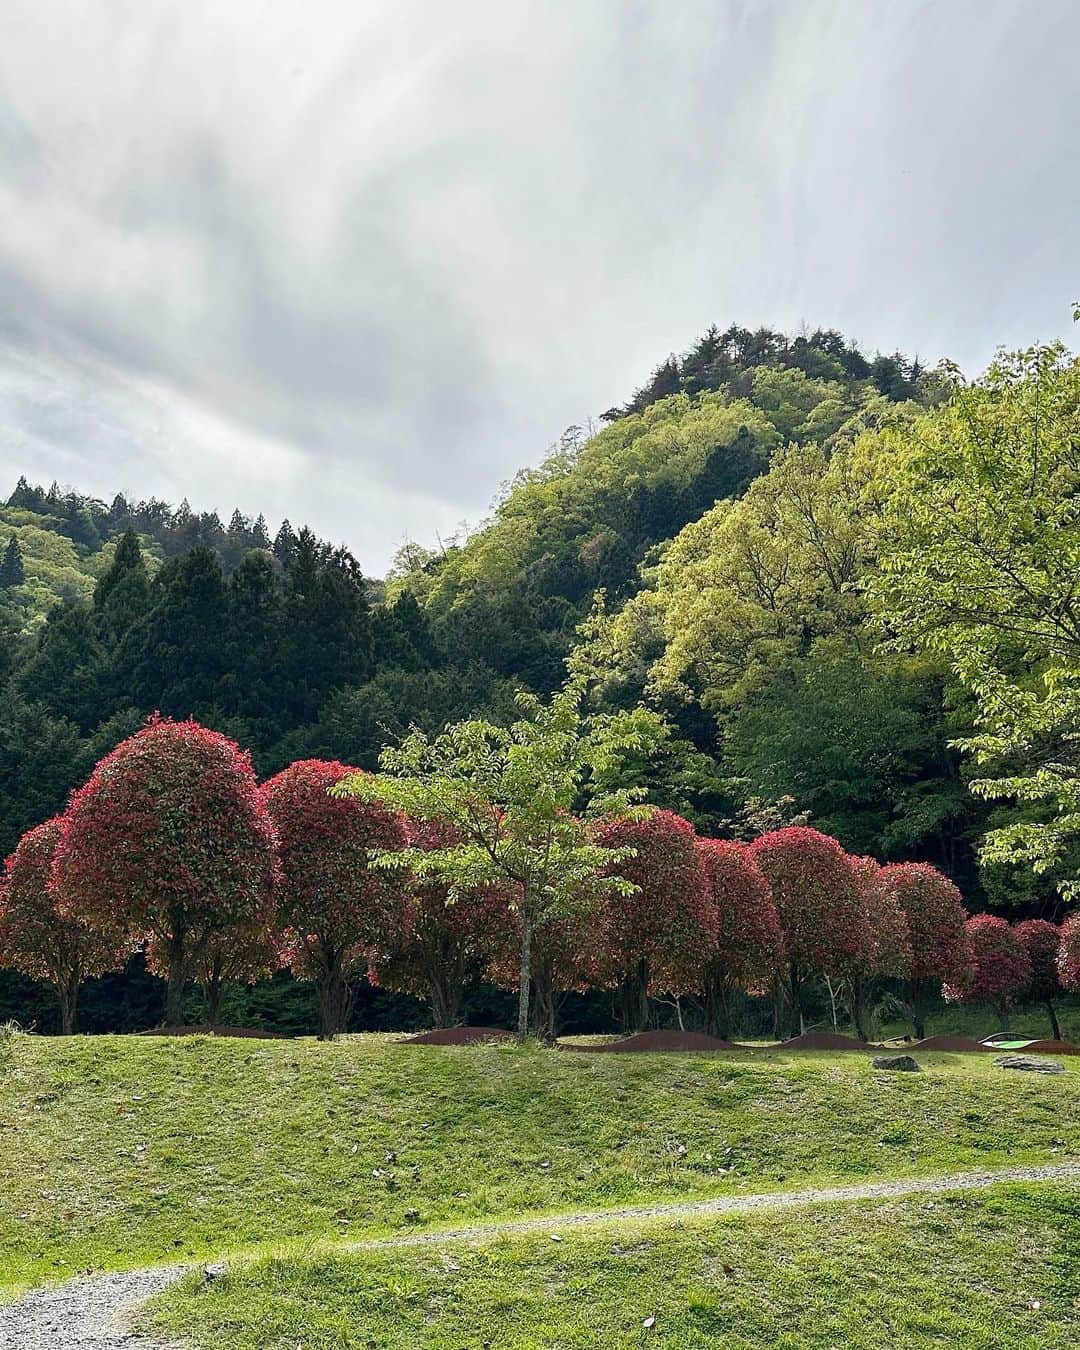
x: 95, y: 1313
x: 733, y: 1204
x: 85, y: 1314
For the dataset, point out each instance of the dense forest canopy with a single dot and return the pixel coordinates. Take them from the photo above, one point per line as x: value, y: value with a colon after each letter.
x: 740, y: 515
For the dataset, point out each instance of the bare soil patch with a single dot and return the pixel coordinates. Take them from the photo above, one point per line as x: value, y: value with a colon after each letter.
x: 654, y: 1041
x: 956, y: 1044
x: 459, y: 1036
x: 1051, y: 1047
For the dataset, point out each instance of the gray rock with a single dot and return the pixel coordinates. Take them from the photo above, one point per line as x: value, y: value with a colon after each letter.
x: 903, y: 1062
x: 1031, y: 1063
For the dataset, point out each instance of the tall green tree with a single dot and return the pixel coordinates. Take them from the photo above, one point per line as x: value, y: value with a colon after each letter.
x: 980, y: 558
x: 12, y: 571
x: 512, y: 798
x: 122, y: 595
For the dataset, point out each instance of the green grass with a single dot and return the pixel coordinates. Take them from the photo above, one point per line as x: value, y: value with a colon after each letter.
x: 995, y: 1269
x: 979, y: 1021
x: 121, y: 1152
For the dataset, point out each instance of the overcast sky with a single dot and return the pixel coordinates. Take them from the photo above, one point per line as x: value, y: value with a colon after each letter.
x: 356, y: 262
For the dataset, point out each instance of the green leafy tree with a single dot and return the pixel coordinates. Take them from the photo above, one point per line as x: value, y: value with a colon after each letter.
x: 980, y: 556
x: 511, y: 795
x: 860, y: 741
x: 754, y: 582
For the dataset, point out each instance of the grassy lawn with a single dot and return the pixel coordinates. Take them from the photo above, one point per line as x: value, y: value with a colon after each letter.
x: 120, y: 1151
x: 996, y: 1269
x: 960, y: 1019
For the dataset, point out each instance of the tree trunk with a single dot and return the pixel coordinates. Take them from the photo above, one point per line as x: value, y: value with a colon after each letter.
x: 798, y: 1022
x: 67, y: 992
x: 445, y: 995
x: 916, y: 1012
x: 780, y: 998
x: 860, y: 1000
x: 524, y: 976
x: 633, y: 999
x: 716, y: 998
x: 1003, y: 1013
x: 213, y: 989
x: 545, y: 1004
x: 174, y: 992
x: 1055, y: 1026
x: 334, y: 998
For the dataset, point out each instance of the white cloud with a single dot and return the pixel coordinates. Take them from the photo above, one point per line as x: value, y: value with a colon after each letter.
x: 356, y: 264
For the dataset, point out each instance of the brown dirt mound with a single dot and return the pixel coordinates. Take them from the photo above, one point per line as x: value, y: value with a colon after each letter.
x: 247, y: 1033
x: 1049, y: 1047
x: 459, y: 1036
x: 654, y: 1041
x: 956, y: 1044
x: 823, y: 1040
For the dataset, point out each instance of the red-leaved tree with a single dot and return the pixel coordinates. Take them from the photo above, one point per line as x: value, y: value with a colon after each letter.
x: 891, y: 955
x: 1068, y: 959
x: 997, y: 969
x: 444, y: 940
x: 169, y: 842
x: 935, y: 916
x: 1042, y: 942
x: 826, y: 932
x: 656, y: 940
x: 39, y: 940
x: 748, y: 943
x: 335, y: 904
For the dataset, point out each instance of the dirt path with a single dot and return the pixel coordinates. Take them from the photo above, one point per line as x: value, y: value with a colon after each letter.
x: 95, y: 1313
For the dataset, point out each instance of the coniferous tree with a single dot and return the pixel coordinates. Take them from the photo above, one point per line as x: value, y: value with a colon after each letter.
x: 403, y: 636
x: 237, y: 540
x: 260, y: 535
x: 252, y: 684
x: 122, y: 595
x: 284, y: 546
x: 179, y: 652
x: 12, y: 571
x: 65, y: 671
x: 26, y: 497
x: 327, y: 642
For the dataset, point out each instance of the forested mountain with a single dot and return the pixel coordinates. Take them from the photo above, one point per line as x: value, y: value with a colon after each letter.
x: 729, y: 511
x: 56, y: 544
x: 703, y: 428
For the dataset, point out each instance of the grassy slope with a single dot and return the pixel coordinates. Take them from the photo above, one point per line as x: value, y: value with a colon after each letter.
x: 125, y: 1151
x: 988, y: 1270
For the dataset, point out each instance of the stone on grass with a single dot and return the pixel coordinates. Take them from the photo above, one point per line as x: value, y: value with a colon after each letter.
x: 902, y: 1062
x: 1031, y: 1063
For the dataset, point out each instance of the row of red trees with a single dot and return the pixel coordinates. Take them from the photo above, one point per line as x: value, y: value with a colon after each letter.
x: 174, y: 847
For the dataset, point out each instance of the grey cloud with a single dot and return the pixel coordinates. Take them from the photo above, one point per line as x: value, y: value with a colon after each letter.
x: 358, y: 264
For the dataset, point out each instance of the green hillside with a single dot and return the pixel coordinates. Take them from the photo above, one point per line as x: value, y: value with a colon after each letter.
x: 702, y: 430
x: 126, y: 1151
